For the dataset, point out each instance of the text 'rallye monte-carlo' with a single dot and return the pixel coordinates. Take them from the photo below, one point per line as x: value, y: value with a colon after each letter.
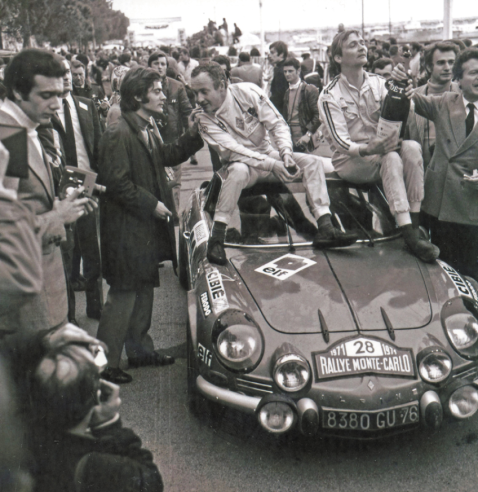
x: 362, y: 341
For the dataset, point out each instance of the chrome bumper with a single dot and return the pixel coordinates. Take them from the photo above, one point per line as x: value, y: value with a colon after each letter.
x: 246, y: 404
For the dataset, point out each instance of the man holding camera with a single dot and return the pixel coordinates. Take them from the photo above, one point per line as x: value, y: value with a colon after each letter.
x: 300, y: 109
x: 34, y: 82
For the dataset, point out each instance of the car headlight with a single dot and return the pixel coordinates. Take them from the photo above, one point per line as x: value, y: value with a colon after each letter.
x: 462, y: 326
x: 463, y: 402
x: 291, y: 372
x: 276, y: 417
x: 238, y: 341
x: 434, y: 365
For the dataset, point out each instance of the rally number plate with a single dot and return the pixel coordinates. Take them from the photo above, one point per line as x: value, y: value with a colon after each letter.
x: 372, y: 420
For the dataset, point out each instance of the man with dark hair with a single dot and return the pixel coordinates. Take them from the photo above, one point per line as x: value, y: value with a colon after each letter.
x: 278, y: 52
x: 78, y: 126
x: 81, y: 86
x: 451, y: 181
x: 34, y: 85
x: 301, y: 111
x: 247, y: 71
x: 439, y: 59
x: 136, y: 231
x: 385, y: 49
x: 383, y: 67
x: 186, y: 65
x: 76, y: 435
x: 125, y: 59
x: 350, y: 109
x: 237, y: 121
x: 174, y: 119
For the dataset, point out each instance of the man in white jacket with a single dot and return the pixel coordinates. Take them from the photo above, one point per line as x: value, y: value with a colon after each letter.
x: 237, y: 121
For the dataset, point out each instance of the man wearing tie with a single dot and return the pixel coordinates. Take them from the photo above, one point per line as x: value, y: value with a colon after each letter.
x: 78, y: 126
x: 34, y: 84
x: 451, y: 180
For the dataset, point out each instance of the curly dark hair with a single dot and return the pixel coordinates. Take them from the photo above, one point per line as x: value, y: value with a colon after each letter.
x: 440, y: 46
x: 136, y: 83
x: 463, y: 57
x: 336, y: 49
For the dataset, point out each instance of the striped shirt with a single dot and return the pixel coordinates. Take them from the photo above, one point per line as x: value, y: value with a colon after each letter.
x: 350, y: 115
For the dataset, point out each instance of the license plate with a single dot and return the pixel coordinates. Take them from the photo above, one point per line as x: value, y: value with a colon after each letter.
x: 375, y: 420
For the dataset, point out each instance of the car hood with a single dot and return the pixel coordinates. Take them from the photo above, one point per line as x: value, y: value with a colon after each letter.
x: 352, y: 288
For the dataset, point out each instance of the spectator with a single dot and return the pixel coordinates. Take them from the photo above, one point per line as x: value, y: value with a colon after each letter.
x: 307, y: 66
x: 225, y: 28
x: 467, y: 42
x: 248, y: 71
x: 416, y: 48
x: 383, y: 67
x: 385, y: 49
x: 77, y: 438
x: 136, y: 233
x: 174, y: 119
x: 450, y: 191
x: 255, y: 52
x: 301, y: 111
x: 237, y: 34
x: 125, y: 59
x: 359, y: 155
x: 78, y: 126
x: 117, y: 77
x: 81, y: 87
x: 31, y: 74
x: 395, y: 55
x: 277, y: 55
x: 439, y: 59
x: 186, y: 65
x: 244, y: 145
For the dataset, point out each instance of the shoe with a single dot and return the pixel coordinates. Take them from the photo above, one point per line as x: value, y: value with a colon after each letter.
x: 78, y: 284
x: 422, y: 249
x: 329, y: 236
x: 193, y: 161
x: 116, y: 375
x: 215, y: 251
x: 152, y: 359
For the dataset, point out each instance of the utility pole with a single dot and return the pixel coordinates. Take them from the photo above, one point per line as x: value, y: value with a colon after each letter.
x: 363, y: 21
x: 389, y: 18
x: 262, y: 29
x: 447, y: 19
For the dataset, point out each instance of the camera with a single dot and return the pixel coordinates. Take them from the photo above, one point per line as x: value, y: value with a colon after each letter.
x: 73, y: 177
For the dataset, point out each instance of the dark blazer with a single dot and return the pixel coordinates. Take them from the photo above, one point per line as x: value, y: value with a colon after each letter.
x: 309, y: 118
x: 279, y: 86
x: 90, y: 128
x: 178, y: 109
x: 133, y: 241
x: 447, y: 196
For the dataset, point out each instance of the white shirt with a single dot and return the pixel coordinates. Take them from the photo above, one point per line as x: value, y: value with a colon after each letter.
x: 81, y: 153
x: 467, y: 109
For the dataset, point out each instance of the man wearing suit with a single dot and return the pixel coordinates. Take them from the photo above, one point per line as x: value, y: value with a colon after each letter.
x: 248, y: 71
x: 174, y: 119
x: 78, y: 126
x: 136, y: 230
x: 451, y: 196
x: 34, y: 84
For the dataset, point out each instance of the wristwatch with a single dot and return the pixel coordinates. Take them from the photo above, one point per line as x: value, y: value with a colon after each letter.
x: 309, y: 134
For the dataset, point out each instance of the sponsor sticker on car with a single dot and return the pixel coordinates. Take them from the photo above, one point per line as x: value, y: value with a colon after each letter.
x: 364, y: 355
x: 204, y: 355
x: 206, y: 307
x: 464, y: 287
x: 217, y: 293
x: 284, y: 267
x: 199, y: 234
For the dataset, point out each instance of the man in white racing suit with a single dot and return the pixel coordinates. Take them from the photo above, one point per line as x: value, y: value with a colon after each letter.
x: 236, y: 122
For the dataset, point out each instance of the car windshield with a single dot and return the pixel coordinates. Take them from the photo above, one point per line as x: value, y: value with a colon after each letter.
x: 278, y: 213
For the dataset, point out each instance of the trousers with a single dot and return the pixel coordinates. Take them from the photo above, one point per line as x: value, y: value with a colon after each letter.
x: 401, y: 175
x: 241, y: 176
x: 126, y: 320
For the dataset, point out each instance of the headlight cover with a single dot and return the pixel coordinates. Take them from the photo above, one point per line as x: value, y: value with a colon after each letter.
x: 462, y: 327
x: 434, y: 365
x: 238, y: 341
x: 463, y: 402
x: 291, y: 372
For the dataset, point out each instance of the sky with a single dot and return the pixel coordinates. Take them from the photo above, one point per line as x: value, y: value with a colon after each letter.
x: 279, y: 14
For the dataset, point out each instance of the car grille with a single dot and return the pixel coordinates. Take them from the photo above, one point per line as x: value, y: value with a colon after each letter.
x: 255, y: 386
x: 468, y: 373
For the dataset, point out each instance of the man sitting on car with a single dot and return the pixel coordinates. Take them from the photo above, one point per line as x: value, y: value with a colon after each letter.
x: 236, y: 122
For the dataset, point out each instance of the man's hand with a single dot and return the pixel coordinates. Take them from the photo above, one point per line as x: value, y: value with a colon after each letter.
x: 399, y: 73
x: 280, y: 172
x: 193, y: 124
x: 71, y: 208
x: 68, y: 334
x: 471, y: 181
x: 304, y: 140
x: 380, y: 146
x: 161, y: 211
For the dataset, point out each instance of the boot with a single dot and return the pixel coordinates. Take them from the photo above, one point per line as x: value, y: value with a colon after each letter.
x: 329, y: 236
x: 424, y: 250
x: 215, y: 245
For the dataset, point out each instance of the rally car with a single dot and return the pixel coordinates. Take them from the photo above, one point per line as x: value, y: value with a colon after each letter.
x: 362, y: 342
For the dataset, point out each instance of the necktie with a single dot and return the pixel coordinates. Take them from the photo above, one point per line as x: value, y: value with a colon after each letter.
x: 470, y: 119
x: 69, y: 143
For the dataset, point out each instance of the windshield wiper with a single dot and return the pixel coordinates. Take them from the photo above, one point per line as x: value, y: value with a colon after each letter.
x: 369, y: 237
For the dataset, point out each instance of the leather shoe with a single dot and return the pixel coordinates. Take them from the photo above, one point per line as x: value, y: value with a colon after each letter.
x: 330, y: 237
x: 116, y: 375
x: 215, y: 251
x: 152, y: 359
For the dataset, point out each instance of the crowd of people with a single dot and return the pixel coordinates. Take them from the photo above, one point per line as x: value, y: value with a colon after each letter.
x: 132, y: 119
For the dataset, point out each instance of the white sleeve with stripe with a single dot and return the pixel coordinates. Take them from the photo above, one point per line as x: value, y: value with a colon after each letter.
x: 229, y: 149
x: 335, y: 125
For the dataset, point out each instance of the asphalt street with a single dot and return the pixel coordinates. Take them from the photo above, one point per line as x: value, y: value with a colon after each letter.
x: 230, y: 453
